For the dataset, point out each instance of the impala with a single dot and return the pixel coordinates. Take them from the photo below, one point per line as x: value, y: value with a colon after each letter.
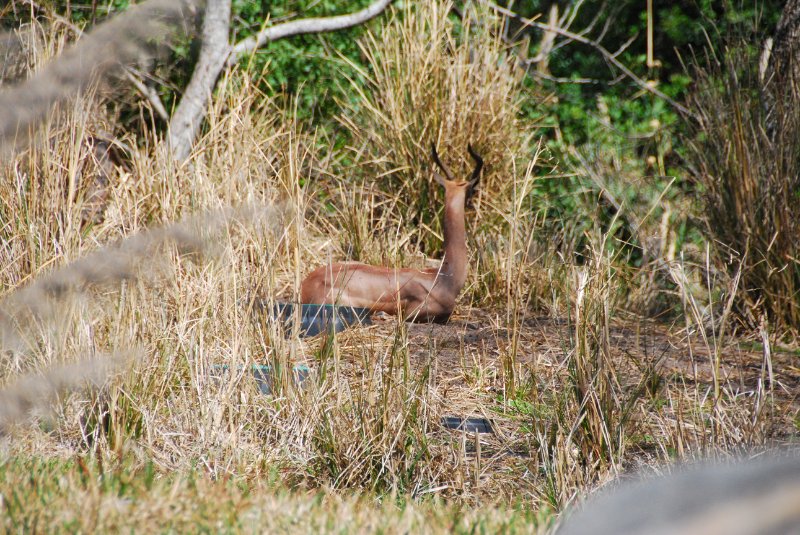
x: 415, y: 294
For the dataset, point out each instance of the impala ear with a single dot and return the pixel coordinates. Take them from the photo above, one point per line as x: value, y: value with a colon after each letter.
x: 438, y: 178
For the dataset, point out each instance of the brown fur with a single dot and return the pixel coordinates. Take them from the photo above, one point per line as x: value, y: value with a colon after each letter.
x: 418, y: 295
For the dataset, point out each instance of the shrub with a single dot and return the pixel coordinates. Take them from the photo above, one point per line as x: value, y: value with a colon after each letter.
x: 749, y: 175
x: 435, y: 81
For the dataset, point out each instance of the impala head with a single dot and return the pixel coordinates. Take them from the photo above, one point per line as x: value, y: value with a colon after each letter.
x: 470, y: 184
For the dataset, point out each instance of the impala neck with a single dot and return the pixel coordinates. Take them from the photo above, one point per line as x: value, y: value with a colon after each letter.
x: 454, y: 264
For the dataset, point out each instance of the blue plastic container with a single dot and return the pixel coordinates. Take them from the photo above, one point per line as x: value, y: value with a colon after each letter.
x: 315, y: 319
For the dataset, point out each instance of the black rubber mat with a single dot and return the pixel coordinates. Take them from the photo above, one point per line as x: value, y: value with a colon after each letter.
x: 470, y: 425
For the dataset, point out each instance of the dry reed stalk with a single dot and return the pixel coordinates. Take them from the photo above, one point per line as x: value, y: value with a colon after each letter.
x: 745, y: 152
x: 427, y: 86
x: 114, y: 264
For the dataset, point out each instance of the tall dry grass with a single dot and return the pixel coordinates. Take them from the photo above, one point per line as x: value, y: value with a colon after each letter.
x: 435, y: 81
x: 745, y: 152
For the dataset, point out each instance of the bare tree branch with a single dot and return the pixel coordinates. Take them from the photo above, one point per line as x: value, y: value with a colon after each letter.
x: 133, y: 77
x: 303, y: 26
x: 128, y: 38
x: 147, y: 92
x: 216, y: 53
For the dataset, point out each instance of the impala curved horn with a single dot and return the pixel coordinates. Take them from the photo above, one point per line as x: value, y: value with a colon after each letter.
x: 442, y: 166
x: 476, y: 173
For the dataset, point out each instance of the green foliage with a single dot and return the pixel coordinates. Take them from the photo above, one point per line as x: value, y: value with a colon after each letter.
x: 679, y: 28
x: 619, y: 149
x: 103, y: 494
x: 311, y: 70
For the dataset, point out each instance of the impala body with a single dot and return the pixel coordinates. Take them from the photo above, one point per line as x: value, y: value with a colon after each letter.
x: 417, y: 295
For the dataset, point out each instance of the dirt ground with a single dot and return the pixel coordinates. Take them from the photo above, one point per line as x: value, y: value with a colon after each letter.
x: 469, y: 359
x: 545, y: 339
x: 473, y: 346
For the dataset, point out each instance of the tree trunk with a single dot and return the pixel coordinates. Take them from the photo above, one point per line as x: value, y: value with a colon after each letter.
x: 786, y: 43
x: 781, y: 77
x: 214, y: 50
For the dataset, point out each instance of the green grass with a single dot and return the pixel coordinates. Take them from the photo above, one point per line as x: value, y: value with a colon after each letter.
x: 88, y: 493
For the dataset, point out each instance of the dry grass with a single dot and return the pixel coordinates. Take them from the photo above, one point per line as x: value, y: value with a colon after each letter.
x: 747, y: 166
x: 432, y: 83
x: 577, y: 394
x: 428, y: 86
